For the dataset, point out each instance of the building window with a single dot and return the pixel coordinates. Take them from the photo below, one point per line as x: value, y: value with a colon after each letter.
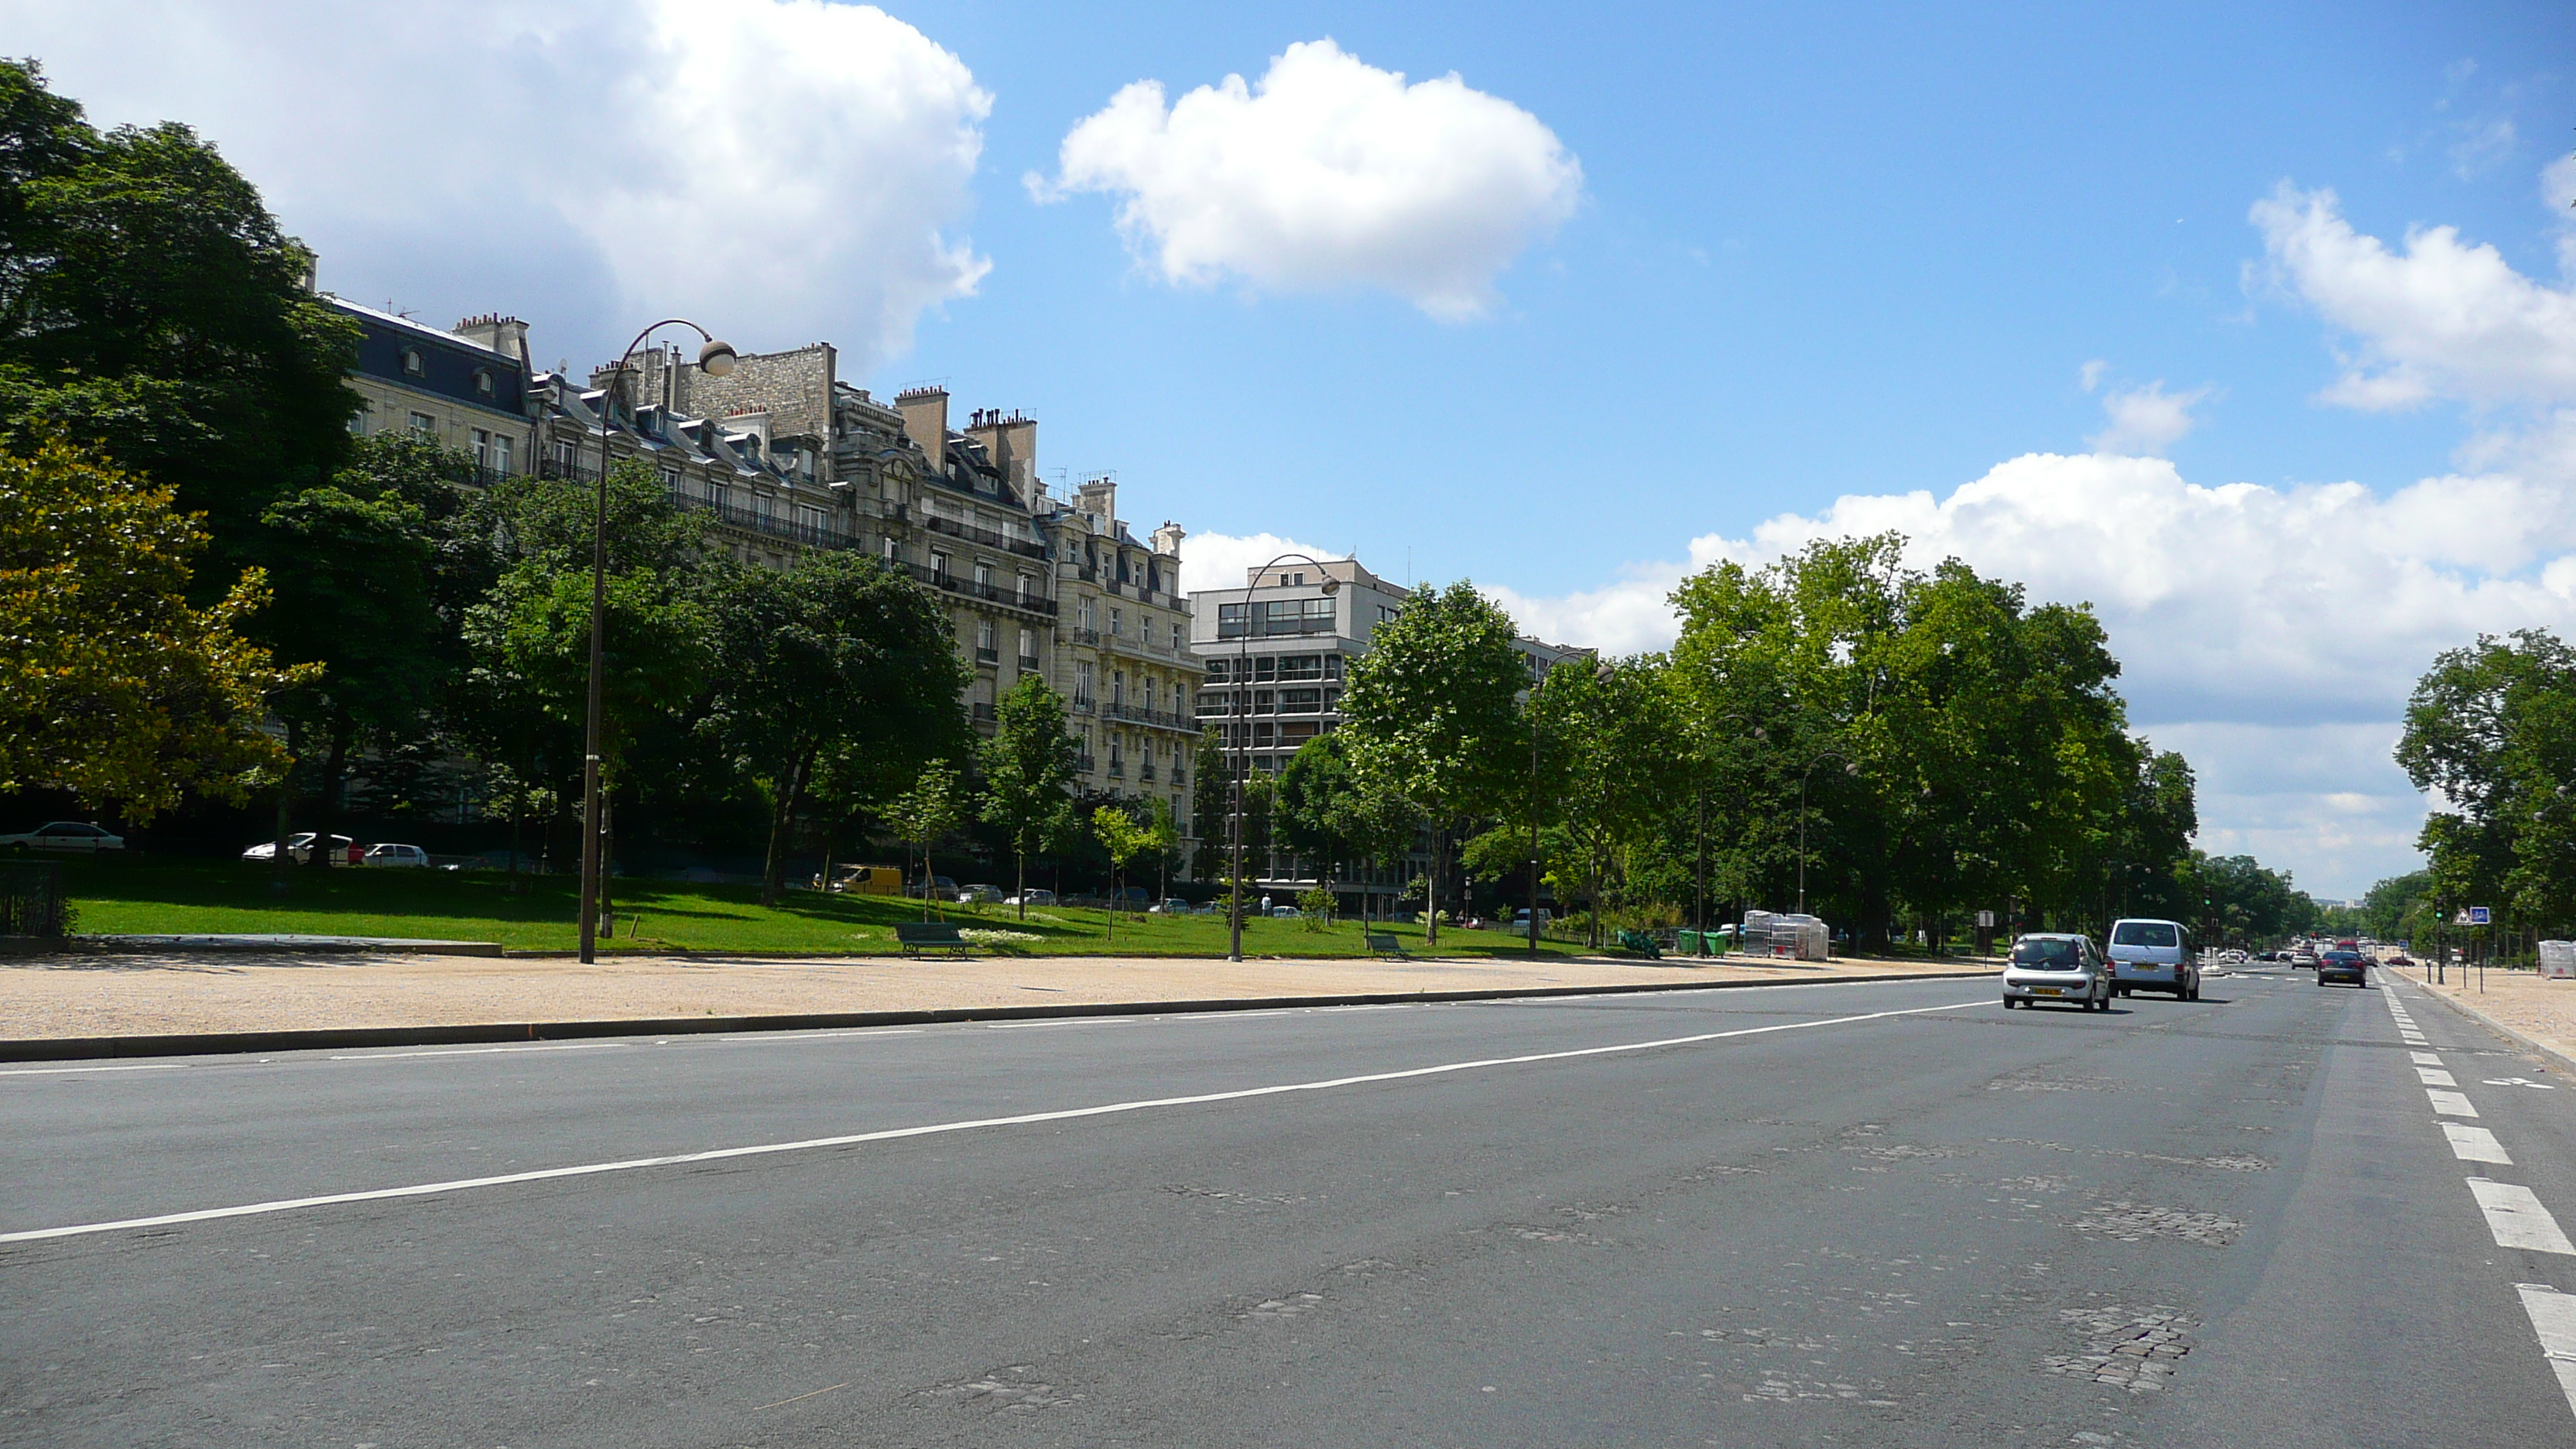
x: 1177, y: 642
x: 413, y: 365
x: 984, y: 578
x: 670, y: 484
x: 1117, y: 689
x: 501, y: 455
x: 483, y: 381
x: 1117, y: 627
x: 1028, y: 591
x: 984, y: 639
x: 1028, y: 648
x: 938, y: 570
x: 358, y: 421
x: 424, y: 426
x: 482, y: 449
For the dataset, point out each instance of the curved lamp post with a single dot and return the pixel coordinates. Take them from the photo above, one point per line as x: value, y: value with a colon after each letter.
x: 716, y: 359
x: 1242, y: 743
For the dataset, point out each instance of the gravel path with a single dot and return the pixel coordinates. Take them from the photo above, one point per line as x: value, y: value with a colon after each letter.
x: 143, y: 995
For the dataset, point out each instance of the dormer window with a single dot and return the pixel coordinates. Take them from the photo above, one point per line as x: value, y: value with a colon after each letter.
x: 413, y: 364
x: 483, y: 382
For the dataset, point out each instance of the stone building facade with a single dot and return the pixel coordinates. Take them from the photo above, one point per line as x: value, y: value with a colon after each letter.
x: 784, y: 458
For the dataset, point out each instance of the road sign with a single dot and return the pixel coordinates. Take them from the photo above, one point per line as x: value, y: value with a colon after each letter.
x: 2478, y: 915
x: 1985, y: 920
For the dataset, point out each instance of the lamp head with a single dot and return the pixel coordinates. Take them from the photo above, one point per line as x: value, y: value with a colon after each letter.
x: 1332, y: 585
x: 716, y: 359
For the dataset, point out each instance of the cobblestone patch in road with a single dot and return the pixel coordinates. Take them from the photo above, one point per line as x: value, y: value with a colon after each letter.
x: 2135, y: 1222
x: 1007, y: 1391
x: 2135, y: 1348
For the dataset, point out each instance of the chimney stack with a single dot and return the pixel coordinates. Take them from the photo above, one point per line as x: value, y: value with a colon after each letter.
x: 925, y: 422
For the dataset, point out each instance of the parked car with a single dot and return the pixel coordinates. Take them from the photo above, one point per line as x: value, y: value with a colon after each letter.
x: 982, y: 895
x: 1032, y: 898
x: 2152, y: 955
x: 1285, y: 913
x: 2349, y: 966
x: 2059, y: 968
x: 1172, y: 906
x: 64, y: 835
x: 300, y: 847
x: 1520, y: 919
x: 940, y: 888
x: 397, y: 857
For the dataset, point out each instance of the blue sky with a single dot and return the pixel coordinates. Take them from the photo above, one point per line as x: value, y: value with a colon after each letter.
x: 1823, y: 270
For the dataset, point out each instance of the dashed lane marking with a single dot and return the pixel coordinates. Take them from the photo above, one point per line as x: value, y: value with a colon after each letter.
x: 2553, y: 1318
x: 2516, y: 1217
x: 1107, y: 1109
x: 2450, y: 1104
x: 2474, y: 1144
x: 2425, y: 1059
x: 2435, y: 1077
x: 573, y: 1046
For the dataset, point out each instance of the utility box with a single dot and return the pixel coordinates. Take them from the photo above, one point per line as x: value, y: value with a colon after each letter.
x: 1785, y: 937
x: 2558, y: 960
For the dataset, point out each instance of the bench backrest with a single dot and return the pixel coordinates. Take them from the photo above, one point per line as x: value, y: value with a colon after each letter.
x: 1382, y: 941
x: 936, y: 933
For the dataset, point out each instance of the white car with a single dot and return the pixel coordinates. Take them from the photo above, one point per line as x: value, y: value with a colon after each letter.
x: 70, y: 835
x: 300, y: 846
x: 398, y: 857
x: 2065, y: 969
x: 1035, y: 897
x: 982, y: 895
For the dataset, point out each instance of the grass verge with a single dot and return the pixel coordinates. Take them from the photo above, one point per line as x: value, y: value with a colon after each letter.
x: 537, y: 913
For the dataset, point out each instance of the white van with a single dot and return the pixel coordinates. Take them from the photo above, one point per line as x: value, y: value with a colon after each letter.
x: 2151, y: 955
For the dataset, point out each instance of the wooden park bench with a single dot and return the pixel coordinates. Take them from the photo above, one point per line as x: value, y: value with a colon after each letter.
x: 912, y: 936
x: 1384, y: 943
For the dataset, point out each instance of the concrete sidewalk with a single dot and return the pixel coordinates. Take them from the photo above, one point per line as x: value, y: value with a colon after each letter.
x: 135, y: 995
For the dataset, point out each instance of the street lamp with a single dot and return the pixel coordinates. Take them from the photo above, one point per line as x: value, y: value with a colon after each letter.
x: 1243, y: 740
x: 716, y: 359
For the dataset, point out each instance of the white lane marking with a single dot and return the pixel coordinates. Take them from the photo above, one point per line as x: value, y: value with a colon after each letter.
x: 795, y: 1036
x: 2425, y: 1059
x: 58, y: 1071
x: 1078, y: 1021
x: 719, y: 1154
x: 2474, y: 1144
x: 2451, y: 1104
x: 2435, y: 1077
x: 570, y: 1046
x: 2553, y: 1320
x: 2516, y: 1217
x: 1181, y: 1016
x: 2519, y: 1082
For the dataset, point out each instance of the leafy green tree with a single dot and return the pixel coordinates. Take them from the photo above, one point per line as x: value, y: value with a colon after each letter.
x: 2492, y: 727
x: 838, y: 652
x: 1124, y: 839
x: 926, y: 814
x: 150, y: 306
x: 1029, y: 766
x: 1162, y: 842
x: 1617, y: 761
x: 114, y: 686
x: 1430, y: 713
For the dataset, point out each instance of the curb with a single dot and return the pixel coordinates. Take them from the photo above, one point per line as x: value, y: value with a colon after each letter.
x: 37, y: 1049
x: 2560, y: 1059
x: 30, y: 946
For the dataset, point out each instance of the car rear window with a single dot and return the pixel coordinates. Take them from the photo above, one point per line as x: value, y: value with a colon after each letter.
x: 2145, y: 933
x: 2044, y: 953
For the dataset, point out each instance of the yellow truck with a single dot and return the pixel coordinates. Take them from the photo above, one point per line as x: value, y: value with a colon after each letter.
x: 863, y: 880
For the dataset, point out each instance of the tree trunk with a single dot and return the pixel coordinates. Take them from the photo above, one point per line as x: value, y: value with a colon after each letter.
x: 1020, y: 882
x: 782, y: 814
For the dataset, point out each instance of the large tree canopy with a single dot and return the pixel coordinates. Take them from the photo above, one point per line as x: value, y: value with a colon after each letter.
x: 112, y: 685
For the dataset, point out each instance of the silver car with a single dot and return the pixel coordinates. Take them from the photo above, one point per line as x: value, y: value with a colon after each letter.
x: 2057, y: 968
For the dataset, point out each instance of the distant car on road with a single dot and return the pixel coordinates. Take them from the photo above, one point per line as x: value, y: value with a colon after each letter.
x: 982, y: 895
x: 63, y: 835
x: 397, y: 857
x: 2349, y: 966
x: 300, y: 848
x: 1032, y: 898
x: 2059, y: 968
x: 1170, y: 906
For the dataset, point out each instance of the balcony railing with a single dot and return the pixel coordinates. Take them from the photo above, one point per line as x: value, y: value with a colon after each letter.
x: 983, y: 712
x: 734, y: 515
x: 1082, y: 765
x: 1145, y: 774
x: 1234, y: 628
x: 1082, y: 704
x: 985, y: 536
x: 1086, y: 636
x: 1028, y: 664
x: 994, y: 593
x: 1163, y: 718
x: 985, y: 656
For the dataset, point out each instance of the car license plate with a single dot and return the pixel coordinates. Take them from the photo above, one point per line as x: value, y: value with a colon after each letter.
x: 2046, y: 991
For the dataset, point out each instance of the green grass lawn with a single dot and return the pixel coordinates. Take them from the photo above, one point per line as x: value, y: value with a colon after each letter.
x: 537, y: 913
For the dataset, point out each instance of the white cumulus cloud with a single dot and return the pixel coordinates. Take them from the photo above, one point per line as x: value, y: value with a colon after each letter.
x: 781, y: 170
x: 1324, y: 174
x: 2148, y: 419
x: 2441, y: 318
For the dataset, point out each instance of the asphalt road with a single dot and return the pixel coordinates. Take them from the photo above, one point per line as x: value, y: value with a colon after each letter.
x: 1799, y: 1219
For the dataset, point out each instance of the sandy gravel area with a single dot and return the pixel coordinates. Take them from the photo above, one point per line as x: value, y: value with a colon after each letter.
x: 136, y: 995
x: 2540, y: 1009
